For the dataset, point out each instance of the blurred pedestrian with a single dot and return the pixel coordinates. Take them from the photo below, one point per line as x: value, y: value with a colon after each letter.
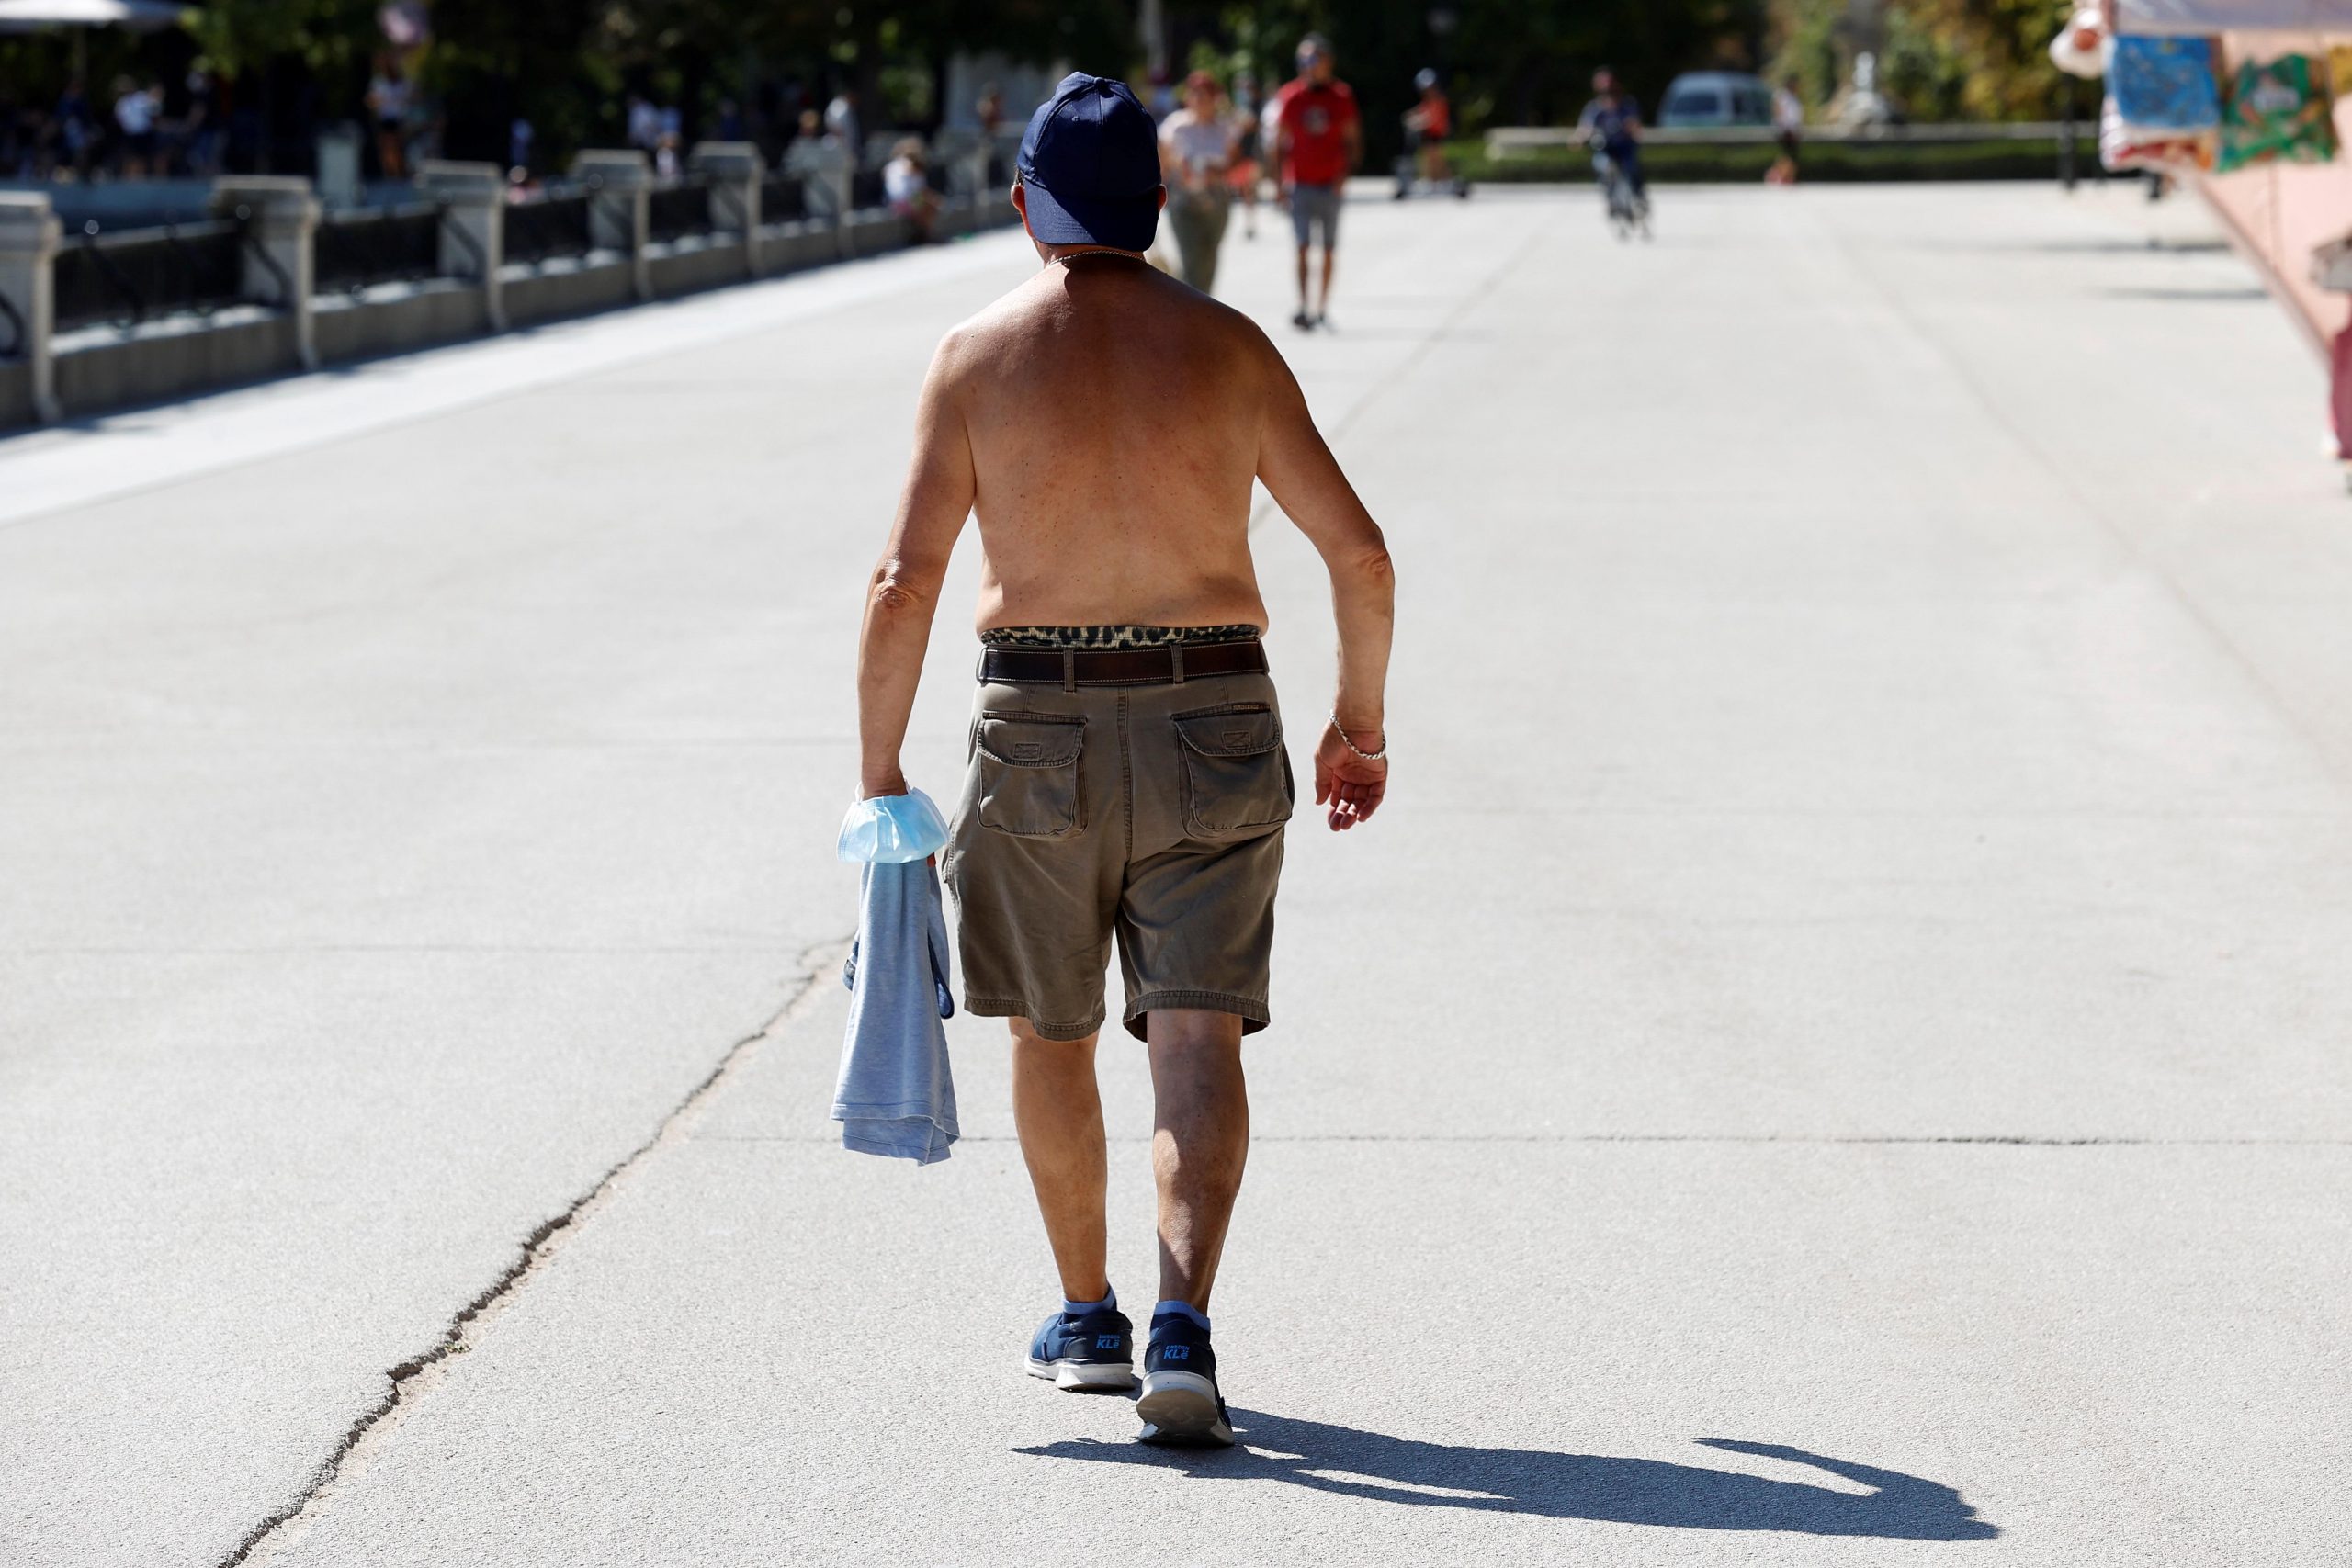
x: 841, y: 124
x: 644, y: 124
x: 75, y: 128
x: 1196, y: 159
x: 1318, y: 140
x: 1427, y: 125
x: 200, y: 131
x: 520, y: 134
x: 1788, y: 125
x: 1243, y: 176
x: 990, y: 112
x: 136, y: 110
x: 389, y: 96
x: 906, y: 186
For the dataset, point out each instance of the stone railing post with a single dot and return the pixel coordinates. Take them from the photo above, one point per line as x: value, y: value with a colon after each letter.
x: 823, y: 170
x: 28, y: 232
x: 734, y: 171
x: 281, y: 219
x: 619, y: 216
x: 473, y: 226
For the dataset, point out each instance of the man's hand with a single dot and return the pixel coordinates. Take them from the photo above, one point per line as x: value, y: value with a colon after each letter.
x: 874, y: 782
x: 1350, y: 785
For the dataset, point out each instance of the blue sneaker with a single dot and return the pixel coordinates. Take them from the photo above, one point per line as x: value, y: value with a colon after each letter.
x: 1087, y: 1352
x: 1180, y: 1406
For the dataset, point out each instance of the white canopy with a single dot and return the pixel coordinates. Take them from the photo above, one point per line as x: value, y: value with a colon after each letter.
x: 2221, y: 16
x: 139, y: 15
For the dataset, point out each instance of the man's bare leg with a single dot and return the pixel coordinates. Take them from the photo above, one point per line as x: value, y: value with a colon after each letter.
x: 1199, y: 1141
x: 1304, y: 312
x: 1327, y: 259
x: 1058, y: 1111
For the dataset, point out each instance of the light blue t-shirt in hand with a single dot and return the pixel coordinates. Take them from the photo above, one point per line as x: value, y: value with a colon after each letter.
x: 896, y: 1095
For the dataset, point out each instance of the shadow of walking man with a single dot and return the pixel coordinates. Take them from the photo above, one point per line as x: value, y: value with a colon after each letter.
x: 1341, y: 1459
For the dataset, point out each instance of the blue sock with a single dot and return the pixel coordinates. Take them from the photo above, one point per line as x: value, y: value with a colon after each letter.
x: 1079, y: 1309
x: 1185, y: 1309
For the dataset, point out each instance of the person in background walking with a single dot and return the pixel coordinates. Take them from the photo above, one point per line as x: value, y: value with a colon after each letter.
x: 1246, y: 131
x: 388, y: 99
x: 135, y: 112
x: 74, y: 126
x: 1318, y: 139
x: 841, y: 121
x: 906, y: 185
x: 201, y: 130
x: 1787, y: 124
x: 1427, y: 125
x: 1196, y: 156
x: 644, y: 129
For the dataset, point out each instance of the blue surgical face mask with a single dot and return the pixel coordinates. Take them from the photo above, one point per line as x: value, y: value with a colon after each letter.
x: 891, y: 829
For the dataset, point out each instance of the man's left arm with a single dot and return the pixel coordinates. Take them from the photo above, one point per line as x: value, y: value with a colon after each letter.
x: 903, y: 595
x: 1351, y: 135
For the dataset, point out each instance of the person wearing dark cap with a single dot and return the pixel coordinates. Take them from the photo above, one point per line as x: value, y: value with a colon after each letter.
x: 1128, y: 783
x: 1318, y: 142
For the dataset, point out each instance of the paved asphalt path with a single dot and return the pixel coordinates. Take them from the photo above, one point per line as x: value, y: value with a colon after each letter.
x: 1834, y: 1052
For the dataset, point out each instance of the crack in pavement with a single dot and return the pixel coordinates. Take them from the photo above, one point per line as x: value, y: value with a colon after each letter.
x: 414, y: 1378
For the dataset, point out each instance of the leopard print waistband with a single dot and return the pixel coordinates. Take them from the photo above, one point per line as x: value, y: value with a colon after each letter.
x: 1088, y: 638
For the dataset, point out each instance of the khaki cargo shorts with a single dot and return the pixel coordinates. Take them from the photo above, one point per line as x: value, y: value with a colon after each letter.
x: 1150, y: 812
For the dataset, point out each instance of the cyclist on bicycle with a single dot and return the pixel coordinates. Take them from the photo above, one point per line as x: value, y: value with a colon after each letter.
x: 1612, y: 123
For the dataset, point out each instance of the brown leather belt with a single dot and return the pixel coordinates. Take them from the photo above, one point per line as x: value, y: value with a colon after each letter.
x: 1121, y: 666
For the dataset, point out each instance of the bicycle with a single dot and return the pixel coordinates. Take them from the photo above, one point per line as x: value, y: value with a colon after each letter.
x: 1628, y: 209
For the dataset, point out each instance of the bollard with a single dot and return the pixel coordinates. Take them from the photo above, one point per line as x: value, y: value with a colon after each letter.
x: 473, y: 226
x: 281, y: 219
x: 28, y: 232
x: 620, y: 186
x: 734, y: 169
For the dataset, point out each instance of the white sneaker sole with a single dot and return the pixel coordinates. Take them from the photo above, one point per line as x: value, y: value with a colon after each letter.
x: 1180, y: 1410
x: 1085, y: 1376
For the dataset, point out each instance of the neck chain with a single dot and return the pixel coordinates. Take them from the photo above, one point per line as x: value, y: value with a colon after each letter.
x: 1068, y: 256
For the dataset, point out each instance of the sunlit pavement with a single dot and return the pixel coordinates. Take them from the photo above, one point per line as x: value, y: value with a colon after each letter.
x: 1834, y: 1053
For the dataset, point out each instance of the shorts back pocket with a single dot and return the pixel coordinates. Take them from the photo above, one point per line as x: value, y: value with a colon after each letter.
x: 1028, y: 766
x: 1237, y: 778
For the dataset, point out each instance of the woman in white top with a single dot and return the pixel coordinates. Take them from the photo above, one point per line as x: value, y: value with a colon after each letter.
x: 906, y: 185
x: 1196, y: 156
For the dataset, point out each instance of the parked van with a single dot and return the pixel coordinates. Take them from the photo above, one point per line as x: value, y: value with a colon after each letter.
x: 1701, y: 100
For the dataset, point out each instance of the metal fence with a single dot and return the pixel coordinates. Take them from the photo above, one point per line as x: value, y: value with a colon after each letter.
x: 544, y: 228
x: 129, y: 278
x: 672, y: 211
x: 399, y: 244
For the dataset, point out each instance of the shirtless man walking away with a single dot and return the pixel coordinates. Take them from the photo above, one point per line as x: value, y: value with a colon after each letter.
x: 1128, y: 779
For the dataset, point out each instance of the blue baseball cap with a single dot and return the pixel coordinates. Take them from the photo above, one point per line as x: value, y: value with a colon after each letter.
x: 1090, y: 165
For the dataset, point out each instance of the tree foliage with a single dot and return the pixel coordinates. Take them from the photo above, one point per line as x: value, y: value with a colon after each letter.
x: 1940, y: 60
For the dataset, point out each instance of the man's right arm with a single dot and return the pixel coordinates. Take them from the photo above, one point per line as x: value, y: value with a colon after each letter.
x: 1305, y: 482
x: 903, y: 595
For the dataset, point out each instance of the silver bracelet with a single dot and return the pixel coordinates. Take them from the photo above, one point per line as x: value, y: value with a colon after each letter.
x: 1341, y: 729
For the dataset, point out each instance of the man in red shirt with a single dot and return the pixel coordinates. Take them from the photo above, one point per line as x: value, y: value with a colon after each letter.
x: 1318, y: 138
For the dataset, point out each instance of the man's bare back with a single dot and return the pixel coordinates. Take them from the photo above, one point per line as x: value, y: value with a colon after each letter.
x: 1104, y: 422
x: 1113, y: 416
